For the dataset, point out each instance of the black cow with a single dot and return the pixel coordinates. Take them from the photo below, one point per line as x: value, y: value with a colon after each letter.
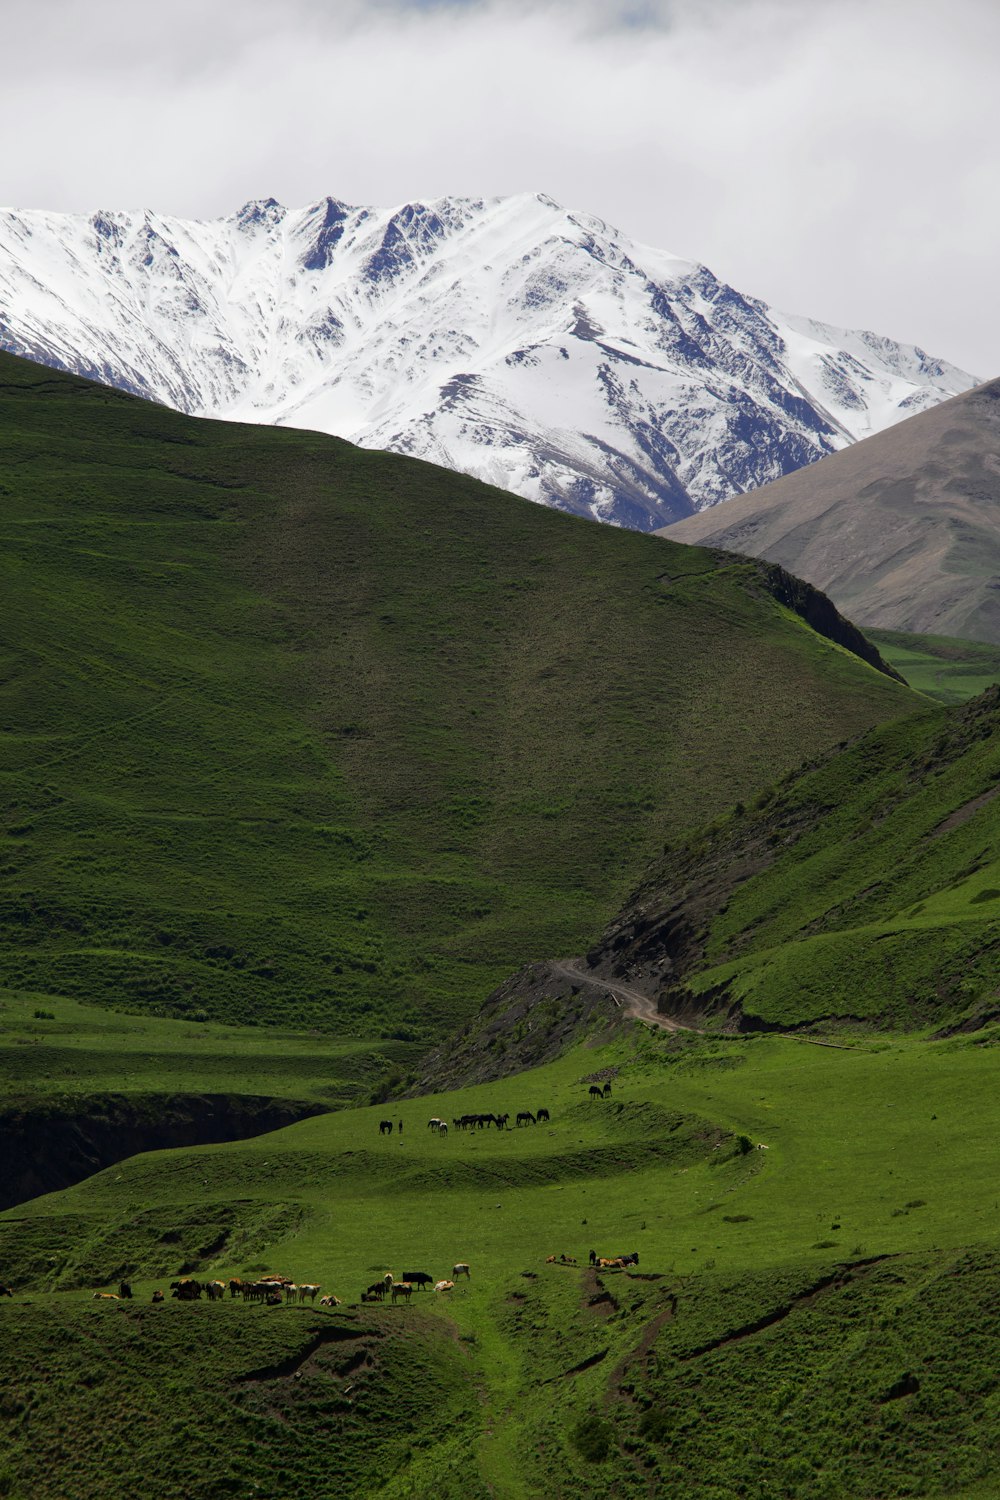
x: 124, y: 1290
x: 419, y: 1279
x: 593, y: 1257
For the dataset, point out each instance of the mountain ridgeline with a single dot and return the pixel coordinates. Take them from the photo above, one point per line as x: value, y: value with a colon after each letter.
x: 538, y: 349
x: 297, y: 732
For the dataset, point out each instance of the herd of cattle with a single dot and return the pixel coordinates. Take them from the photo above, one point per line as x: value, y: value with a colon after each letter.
x: 273, y: 1290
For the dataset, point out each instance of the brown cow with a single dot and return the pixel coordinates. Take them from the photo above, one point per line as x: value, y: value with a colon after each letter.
x: 401, y: 1289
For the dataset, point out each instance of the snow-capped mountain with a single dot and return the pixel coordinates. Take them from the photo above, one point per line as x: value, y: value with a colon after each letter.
x: 533, y: 347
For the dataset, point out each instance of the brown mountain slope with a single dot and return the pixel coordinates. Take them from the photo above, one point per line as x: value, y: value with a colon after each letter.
x: 902, y: 530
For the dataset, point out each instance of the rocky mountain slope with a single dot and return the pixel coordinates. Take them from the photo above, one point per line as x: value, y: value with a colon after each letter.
x: 902, y: 530
x: 535, y: 348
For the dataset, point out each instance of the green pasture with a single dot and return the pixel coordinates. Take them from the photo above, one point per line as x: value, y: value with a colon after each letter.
x: 791, y: 1289
x: 942, y: 667
x: 53, y: 1046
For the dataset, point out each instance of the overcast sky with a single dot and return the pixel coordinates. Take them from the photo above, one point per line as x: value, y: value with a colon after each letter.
x: 839, y: 158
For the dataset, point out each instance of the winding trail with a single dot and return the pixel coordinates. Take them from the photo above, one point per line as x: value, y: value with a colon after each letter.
x: 641, y: 1007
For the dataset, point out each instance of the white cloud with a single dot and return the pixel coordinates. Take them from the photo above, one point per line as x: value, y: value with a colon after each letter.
x: 833, y: 156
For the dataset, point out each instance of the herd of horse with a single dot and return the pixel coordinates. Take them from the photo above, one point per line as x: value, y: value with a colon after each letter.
x: 484, y: 1121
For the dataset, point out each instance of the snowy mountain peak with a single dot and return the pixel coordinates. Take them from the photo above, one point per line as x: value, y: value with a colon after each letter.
x: 535, y: 347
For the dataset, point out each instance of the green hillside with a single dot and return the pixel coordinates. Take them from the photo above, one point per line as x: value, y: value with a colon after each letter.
x: 866, y: 889
x: 301, y: 734
x: 816, y: 1321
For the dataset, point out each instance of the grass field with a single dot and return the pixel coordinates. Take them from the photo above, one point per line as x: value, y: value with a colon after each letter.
x: 943, y: 668
x: 302, y: 734
x: 816, y: 1319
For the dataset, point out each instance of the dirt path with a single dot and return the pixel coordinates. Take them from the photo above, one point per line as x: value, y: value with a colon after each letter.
x: 631, y: 1001
x: 642, y: 1008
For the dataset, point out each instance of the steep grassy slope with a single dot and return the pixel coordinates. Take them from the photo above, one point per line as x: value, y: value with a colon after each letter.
x: 295, y: 732
x: 946, y: 669
x: 866, y: 888
x: 902, y: 530
x: 817, y: 1320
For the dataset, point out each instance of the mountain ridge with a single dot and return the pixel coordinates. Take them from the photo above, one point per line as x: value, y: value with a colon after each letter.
x: 533, y: 347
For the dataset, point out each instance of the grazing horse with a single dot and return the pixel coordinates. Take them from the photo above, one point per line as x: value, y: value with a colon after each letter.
x: 461, y: 1269
x: 501, y: 1121
x: 541, y: 1115
x: 607, y: 1090
x: 401, y: 1289
x: 525, y: 1118
x: 595, y: 1092
x: 385, y: 1127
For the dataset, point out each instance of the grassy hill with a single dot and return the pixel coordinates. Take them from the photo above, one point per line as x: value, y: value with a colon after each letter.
x: 865, y: 889
x: 300, y: 734
x: 902, y: 530
x: 817, y: 1320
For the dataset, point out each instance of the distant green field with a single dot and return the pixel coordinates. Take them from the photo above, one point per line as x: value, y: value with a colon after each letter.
x: 946, y: 669
x: 815, y: 1319
x: 303, y: 734
x: 72, y: 1049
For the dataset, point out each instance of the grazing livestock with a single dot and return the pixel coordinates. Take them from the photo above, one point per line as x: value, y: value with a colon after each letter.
x: 401, y: 1289
x: 385, y: 1127
x: 185, y: 1290
x: 434, y: 1123
x: 541, y: 1115
x: 291, y: 1293
x: 593, y: 1257
x: 156, y: 1297
x: 444, y: 1286
x: 124, y: 1291
x: 607, y: 1090
x: 106, y: 1297
x: 461, y: 1269
x: 215, y: 1290
x: 235, y: 1286
x: 525, y: 1118
x: 374, y: 1293
x: 308, y: 1290
x: 419, y: 1279
x: 501, y: 1121
x: 595, y: 1092
x: 329, y: 1302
